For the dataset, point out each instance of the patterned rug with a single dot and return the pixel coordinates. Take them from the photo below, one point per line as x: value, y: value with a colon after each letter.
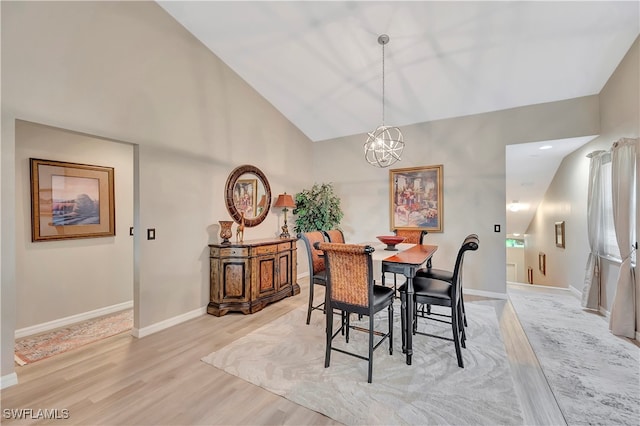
x: 286, y: 357
x: 34, y: 348
x: 594, y: 375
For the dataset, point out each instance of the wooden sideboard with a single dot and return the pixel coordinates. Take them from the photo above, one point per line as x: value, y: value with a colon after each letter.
x: 247, y: 276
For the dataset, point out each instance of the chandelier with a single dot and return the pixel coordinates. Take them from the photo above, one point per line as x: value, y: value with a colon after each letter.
x: 385, y: 144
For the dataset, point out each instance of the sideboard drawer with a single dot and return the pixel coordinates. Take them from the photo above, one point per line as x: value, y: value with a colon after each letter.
x: 271, y: 249
x: 284, y: 246
x: 234, y: 252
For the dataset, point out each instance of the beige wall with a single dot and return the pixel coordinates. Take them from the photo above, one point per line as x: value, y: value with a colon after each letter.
x: 472, y: 152
x: 563, y: 201
x: 566, y: 197
x: 58, y: 279
x: 515, y: 256
x: 127, y: 71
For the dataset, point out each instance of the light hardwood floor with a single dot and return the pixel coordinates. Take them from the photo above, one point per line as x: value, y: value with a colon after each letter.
x: 160, y: 380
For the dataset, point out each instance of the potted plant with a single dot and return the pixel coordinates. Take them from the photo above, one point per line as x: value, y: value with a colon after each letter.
x: 317, y: 209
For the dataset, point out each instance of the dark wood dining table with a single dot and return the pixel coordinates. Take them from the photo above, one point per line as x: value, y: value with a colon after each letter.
x: 406, y: 261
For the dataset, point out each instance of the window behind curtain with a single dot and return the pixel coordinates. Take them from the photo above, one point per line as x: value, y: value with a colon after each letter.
x: 609, y: 245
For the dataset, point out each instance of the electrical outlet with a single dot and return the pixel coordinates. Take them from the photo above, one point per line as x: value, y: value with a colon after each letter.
x: 151, y: 234
x: 496, y: 228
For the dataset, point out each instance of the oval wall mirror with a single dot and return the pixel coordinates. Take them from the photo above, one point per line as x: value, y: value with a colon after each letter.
x: 247, y: 191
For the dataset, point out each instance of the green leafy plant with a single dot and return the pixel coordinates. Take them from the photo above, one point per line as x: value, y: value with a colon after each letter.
x: 317, y: 209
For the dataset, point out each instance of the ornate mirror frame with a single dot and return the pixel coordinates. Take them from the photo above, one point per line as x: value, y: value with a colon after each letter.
x: 232, y: 180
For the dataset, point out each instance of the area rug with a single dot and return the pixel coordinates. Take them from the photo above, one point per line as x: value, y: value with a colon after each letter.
x: 286, y: 357
x: 594, y: 375
x: 34, y: 348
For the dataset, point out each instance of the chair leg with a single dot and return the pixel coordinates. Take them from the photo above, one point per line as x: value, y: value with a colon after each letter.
x: 329, y: 331
x: 391, y: 329
x: 311, y: 287
x: 348, y: 315
x: 464, y: 314
x: 370, y: 348
x: 463, y: 337
x: 455, y: 328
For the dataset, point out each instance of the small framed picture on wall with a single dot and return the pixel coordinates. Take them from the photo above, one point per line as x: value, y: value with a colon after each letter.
x: 560, y: 234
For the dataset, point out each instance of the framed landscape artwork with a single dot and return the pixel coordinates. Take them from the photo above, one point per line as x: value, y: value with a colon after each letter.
x: 70, y: 200
x: 415, y: 198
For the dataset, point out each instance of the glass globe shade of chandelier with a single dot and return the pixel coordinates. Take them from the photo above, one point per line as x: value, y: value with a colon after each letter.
x: 384, y: 145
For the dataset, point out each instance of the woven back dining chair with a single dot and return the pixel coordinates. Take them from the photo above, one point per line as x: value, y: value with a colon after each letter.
x: 411, y: 236
x: 351, y: 289
x: 317, y: 272
x: 334, y: 236
x: 432, y: 291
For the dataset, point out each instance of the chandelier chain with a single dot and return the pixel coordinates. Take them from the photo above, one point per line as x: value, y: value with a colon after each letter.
x: 385, y: 144
x: 383, y: 84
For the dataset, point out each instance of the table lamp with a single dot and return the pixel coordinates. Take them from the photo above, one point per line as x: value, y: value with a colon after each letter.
x: 285, y: 201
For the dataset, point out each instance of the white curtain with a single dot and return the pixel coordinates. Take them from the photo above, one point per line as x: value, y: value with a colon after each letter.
x: 592, y: 282
x: 623, y: 172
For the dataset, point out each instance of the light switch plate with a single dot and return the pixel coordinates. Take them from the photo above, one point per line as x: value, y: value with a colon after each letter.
x: 151, y: 234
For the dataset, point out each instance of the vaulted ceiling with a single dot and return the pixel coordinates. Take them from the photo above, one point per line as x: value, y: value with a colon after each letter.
x: 320, y: 64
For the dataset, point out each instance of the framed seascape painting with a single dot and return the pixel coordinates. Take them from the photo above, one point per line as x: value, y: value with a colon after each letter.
x: 415, y: 198
x: 70, y: 200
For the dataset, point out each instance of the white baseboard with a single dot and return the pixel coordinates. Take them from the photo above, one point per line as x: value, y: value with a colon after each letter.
x: 170, y: 322
x: 577, y: 293
x: 8, y: 380
x: 62, y: 322
x: 304, y: 274
x: 574, y: 292
x: 547, y: 287
x: 491, y: 294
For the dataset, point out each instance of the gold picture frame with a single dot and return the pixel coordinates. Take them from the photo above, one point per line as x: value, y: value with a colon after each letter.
x: 416, y: 198
x: 560, y: 234
x: 71, y: 200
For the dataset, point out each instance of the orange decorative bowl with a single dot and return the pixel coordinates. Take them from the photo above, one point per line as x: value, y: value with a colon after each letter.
x: 390, y: 241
